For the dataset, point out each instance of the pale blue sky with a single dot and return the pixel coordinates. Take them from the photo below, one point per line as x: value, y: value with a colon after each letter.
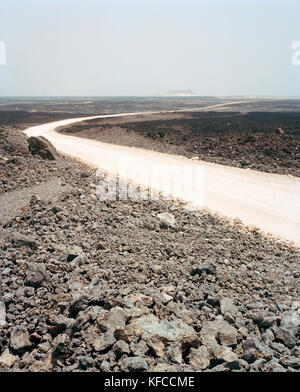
x: 147, y: 47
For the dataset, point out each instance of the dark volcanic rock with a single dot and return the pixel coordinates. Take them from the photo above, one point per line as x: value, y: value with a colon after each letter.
x: 39, y: 145
x: 209, y: 268
x: 36, y: 274
x: 23, y: 240
x: 134, y: 364
x: 19, y: 339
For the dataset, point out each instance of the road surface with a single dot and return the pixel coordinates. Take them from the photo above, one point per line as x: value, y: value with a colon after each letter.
x: 268, y: 201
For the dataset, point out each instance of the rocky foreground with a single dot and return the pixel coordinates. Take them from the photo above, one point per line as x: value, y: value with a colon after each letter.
x: 90, y: 285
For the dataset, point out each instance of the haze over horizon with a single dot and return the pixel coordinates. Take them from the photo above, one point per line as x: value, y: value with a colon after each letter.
x: 147, y: 48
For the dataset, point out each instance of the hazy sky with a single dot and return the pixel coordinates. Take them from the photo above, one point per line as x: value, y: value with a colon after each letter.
x: 147, y: 47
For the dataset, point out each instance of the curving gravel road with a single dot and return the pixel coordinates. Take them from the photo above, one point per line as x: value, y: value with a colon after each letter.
x: 268, y: 201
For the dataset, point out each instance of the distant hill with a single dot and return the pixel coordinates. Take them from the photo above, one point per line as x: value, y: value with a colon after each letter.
x: 180, y: 93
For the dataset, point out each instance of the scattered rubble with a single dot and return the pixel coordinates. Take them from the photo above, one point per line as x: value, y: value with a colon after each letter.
x: 89, y: 285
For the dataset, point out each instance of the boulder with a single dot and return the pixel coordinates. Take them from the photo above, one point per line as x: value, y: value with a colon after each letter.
x: 19, y: 339
x: 149, y: 327
x: 74, y: 253
x: 103, y: 343
x: 199, y: 358
x: 116, y: 319
x: 285, y: 336
x: 208, y: 268
x: 291, y: 321
x: 222, y: 353
x: 174, y: 354
x: 228, y: 307
x: 39, y: 145
x: 121, y: 348
x: 134, y: 364
x: 35, y: 275
x: 166, y: 220
x: 219, y: 330
x: 7, y: 360
x: 22, y: 240
x: 59, y: 323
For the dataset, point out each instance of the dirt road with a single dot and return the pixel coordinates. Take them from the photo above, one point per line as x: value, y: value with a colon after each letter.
x: 268, y: 201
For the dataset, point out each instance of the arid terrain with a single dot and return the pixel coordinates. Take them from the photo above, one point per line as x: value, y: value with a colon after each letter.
x: 91, y: 285
x: 246, y: 140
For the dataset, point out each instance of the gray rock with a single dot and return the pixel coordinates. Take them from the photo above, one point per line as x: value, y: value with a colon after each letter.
x: 59, y: 323
x: 258, y: 365
x: 162, y: 298
x: 60, y: 346
x: 44, y: 347
x: 209, y: 268
x: 116, y: 319
x: 296, y: 352
x: 174, y: 354
x: 7, y: 298
x: 22, y: 240
x: 7, y: 360
x: 74, y: 253
x: 157, y: 269
x: 85, y: 361
x: 273, y: 366
x: 268, y: 336
x: 166, y: 220
x: 290, y: 362
x: 228, y: 307
x: 2, y: 314
x: 134, y: 364
x: 221, y: 330
x: 149, y: 326
x: 79, y: 303
x: 291, y: 321
x: 35, y: 275
x: 279, y: 347
x: 221, y: 353
x: 199, y: 358
x: 105, y: 366
x: 254, y: 349
x: 19, y: 339
x: 263, y: 319
x: 286, y: 336
x: 103, y: 343
x: 121, y: 347
x: 139, y: 349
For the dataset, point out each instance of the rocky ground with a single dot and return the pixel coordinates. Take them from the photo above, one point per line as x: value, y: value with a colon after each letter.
x: 91, y: 285
x: 245, y: 140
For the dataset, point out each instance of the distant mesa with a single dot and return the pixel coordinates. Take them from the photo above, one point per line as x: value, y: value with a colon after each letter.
x: 180, y: 93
